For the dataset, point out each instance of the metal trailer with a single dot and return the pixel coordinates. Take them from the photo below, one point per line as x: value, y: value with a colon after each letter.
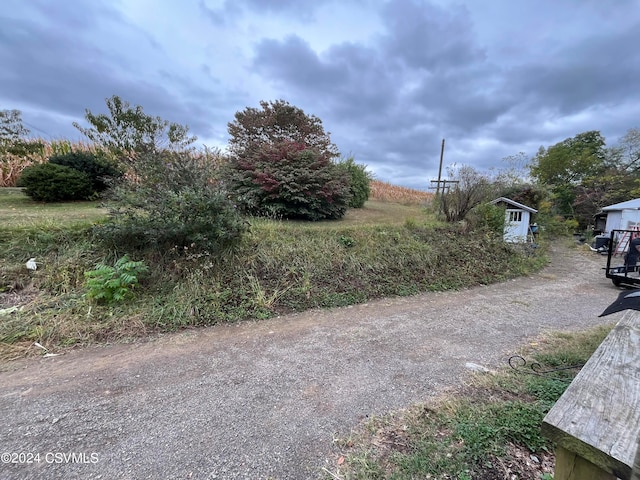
x: 616, y: 269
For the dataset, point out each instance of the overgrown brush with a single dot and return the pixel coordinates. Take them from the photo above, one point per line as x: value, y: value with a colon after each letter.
x: 277, y: 267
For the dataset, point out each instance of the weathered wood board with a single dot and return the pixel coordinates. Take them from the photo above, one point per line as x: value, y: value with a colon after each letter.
x: 598, y: 417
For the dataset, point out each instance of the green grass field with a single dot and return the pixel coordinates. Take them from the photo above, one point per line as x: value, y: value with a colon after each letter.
x: 19, y: 211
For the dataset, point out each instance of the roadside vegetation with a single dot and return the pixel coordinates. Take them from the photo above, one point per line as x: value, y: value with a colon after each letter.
x: 486, y: 430
x: 183, y: 237
x: 279, y: 266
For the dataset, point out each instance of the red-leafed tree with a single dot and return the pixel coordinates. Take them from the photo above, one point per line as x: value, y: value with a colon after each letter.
x: 282, y: 164
x: 289, y: 180
x: 276, y: 122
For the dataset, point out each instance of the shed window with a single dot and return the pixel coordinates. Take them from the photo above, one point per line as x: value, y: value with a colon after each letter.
x: 515, y: 216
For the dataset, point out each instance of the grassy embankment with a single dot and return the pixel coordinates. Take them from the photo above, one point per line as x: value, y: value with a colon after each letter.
x: 385, y: 249
x: 486, y: 430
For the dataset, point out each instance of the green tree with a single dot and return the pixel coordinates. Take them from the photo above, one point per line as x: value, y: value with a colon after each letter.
x: 565, y: 165
x: 528, y: 194
x: 571, y: 160
x: 13, y: 135
x: 276, y: 122
x: 359, y: 182
x: 126, y: 131
x: 100, y: 170
x: 626, y: 154
x: 614, y: 185
x: 176, y: 202
x: 48, y: 182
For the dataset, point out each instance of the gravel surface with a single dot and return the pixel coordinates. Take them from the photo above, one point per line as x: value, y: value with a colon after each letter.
x: 264, y: 400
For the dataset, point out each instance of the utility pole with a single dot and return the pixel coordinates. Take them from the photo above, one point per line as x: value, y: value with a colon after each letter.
x: 440, y: 168
x: 440, y: 181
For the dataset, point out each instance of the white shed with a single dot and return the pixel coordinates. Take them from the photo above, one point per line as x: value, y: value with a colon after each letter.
x: 622, y: 216
x: 517, y: 220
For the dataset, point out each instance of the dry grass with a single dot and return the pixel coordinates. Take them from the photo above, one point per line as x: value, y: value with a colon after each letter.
x: 387, y: 192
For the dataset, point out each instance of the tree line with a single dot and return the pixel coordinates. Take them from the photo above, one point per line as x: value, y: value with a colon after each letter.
x: 282, y: 164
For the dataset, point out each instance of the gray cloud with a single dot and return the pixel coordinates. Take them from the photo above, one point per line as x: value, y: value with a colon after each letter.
x: 424, y: 36
x: 54, y: 68
x: 494, y: 80
x: 232, y: 10
x: 600, y: 69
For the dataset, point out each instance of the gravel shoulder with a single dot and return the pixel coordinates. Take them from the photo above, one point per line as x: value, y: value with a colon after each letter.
x: 263, y: 400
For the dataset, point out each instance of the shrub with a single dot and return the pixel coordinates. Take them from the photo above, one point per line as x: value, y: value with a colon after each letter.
x: 488, y: 216
x: 359, y: 182
x: 288, y: 180
x: 49, y: 182
x: 174, y: 201
x: 98, y: 168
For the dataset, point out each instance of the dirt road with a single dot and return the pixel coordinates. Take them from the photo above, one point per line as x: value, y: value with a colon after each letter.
x: 262, y: 400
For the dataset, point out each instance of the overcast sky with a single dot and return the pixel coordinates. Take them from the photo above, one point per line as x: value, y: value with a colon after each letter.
x: 389, y: 79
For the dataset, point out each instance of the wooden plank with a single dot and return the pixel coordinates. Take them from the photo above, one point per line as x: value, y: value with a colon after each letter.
x: 635, y: 475
x: 571, y: 466
x: 598, y: 417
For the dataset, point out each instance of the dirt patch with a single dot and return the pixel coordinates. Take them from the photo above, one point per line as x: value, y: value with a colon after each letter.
x: 517, y: 464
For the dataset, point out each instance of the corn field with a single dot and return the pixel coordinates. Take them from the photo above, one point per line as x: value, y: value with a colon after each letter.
x: 393, y: 193
x: 12, y: 165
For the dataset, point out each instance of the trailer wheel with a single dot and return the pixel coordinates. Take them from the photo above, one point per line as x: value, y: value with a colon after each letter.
x: 616, y: 282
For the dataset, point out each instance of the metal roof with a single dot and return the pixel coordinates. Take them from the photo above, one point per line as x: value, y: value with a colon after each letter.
x: 628, y: 205
x: 514, y: 203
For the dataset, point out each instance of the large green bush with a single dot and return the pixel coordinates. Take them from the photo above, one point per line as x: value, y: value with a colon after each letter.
x: 359, y: 182
x: 173, y: 202
x: 99, y: 169
x: 49, y: 182
x: 289, y: 180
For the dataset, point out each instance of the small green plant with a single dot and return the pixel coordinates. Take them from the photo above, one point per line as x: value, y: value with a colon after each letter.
x: 466, y: 437
x: 347, y: 241
x: 107, y: 284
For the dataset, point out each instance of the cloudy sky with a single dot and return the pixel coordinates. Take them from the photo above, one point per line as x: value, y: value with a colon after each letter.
x: 389, y: 78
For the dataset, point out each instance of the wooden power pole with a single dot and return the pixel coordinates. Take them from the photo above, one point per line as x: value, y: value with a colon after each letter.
x: 439, y: 181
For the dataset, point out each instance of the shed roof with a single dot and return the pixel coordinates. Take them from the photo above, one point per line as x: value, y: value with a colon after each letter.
x: 514, y: 204
x: 628, y: 205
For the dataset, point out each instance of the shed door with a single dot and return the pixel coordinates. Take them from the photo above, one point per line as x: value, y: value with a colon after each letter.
x: 515, y: 229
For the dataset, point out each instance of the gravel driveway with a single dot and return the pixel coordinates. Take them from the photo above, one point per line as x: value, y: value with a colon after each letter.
x: 261, y: 400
